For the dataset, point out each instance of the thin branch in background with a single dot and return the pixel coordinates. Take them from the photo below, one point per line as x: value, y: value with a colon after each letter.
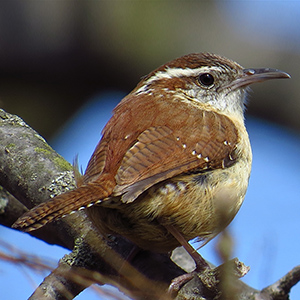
x: 26, y: 262
x: 17, y: 256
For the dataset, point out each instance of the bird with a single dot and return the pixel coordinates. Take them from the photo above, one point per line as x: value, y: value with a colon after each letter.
x: 174, y: 160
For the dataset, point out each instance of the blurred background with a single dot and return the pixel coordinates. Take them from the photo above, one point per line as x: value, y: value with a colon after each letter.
x: 64, y: 65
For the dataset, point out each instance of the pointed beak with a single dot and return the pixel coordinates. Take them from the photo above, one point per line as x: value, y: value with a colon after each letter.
x: 257, y: 75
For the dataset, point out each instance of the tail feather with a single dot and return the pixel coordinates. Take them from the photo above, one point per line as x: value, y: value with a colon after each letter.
x: 61, y: 206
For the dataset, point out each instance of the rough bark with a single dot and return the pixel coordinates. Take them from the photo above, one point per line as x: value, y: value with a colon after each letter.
x: 31, y: 172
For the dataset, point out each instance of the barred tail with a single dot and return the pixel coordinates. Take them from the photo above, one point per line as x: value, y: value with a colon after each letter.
x: 60, y: 206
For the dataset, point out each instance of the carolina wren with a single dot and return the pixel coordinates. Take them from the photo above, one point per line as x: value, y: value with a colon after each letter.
x: 174, y: 160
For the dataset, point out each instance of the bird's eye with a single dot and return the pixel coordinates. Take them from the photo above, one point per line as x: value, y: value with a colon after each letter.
x: 206, y: 79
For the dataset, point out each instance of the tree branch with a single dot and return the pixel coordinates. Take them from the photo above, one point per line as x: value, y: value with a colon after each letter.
x: 280, y: 289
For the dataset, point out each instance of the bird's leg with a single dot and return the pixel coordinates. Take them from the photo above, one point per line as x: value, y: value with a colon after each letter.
x: 200, y: 262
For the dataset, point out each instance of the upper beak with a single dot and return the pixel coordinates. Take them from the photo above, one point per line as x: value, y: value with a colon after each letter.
x: 257, y: 75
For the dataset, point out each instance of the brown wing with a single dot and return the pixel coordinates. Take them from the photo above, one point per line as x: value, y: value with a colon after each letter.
x: 160, y: 153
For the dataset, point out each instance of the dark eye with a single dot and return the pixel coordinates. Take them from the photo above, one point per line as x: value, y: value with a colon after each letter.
x: 206, y: 79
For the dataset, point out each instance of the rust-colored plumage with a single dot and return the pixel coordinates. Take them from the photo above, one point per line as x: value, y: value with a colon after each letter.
x: 175, y: 153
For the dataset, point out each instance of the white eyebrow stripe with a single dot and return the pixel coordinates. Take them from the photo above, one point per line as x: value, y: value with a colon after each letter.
x: 179, y: 72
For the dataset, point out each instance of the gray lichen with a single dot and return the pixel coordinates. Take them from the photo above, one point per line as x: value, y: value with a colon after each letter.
x: 62, y: 183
